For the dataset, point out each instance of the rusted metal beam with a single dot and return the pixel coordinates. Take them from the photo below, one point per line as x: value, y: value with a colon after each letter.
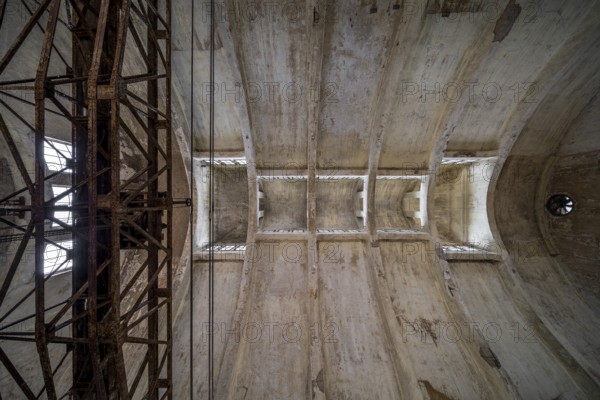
x: 58, y: 366
x: 23, y: 35
x: 138, y: 41
x: 12, y: 96
x: 38, y: 213
x: 2, y: 10
x: 16, y: 155
x: 91, y: 354
x: 118, y: 373
x: 10, y: 274
x: 169, y: 135
x: 44, y: 32
x: 82, y: 44
x: 16, y: 376
x: 102, y: 203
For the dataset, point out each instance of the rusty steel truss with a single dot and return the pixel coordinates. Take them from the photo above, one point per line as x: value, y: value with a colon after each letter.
x: 111, y: 334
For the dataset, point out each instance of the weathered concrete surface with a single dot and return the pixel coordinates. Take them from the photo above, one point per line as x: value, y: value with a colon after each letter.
x: 356, y: 353
x: 231, y: 204
x: 576, y: 238
x: 523, y: 353
x: 449, y: 208
x: 271, y: 51
x: 436, y: 339
x: 528, y: 233
x: 228, y: 131
x: 460, y: 203
x: 227, y: 285
x: 421, y: 84
x: 337, y: 204
x: 390, y: 209
x: 355, y: 50
x: 574, y: 171
x: 284, y: 204
x: 567, y: 316
x: 272, y: 358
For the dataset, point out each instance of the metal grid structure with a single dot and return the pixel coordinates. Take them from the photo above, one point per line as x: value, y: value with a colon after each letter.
x: 115, y: 325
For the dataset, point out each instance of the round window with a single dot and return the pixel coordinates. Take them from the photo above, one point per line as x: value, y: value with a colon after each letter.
x: 560, y: 205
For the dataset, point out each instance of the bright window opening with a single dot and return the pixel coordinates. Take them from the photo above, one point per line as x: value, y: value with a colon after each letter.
x: 56, y: 259
x: 220, y: 248
x: 56, y: 154
x: 460, y: 249
x: 63, y: 216
x: 226, y: 161
x: 560, y: 205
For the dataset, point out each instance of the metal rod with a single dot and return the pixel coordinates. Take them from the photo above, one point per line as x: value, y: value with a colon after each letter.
x: 191, y: 228
x: 211, y: 284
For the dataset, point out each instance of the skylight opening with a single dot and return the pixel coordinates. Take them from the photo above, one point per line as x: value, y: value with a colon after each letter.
x: 220, y: 248
x: 560, y: 205
x: 57, y: 259
x: 226, y: 161
x: 57, y: 154
x: 458, y: 160
x: 459, y: 248
x: 62, y: 215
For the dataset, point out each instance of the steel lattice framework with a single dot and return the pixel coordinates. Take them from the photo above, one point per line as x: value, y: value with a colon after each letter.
x: 115, y: 325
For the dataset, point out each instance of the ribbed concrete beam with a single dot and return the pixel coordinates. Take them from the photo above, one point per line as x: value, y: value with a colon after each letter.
x: 230, y: 38
x: 377, y: 281
x: 316, y: 35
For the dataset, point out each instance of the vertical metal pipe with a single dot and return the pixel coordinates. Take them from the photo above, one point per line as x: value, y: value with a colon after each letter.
x: 211, y: 273
x: 117, y: 373
x: 192, y: 226
x: 96, y: 131
x: 170, y: 205
x: 154, y: 222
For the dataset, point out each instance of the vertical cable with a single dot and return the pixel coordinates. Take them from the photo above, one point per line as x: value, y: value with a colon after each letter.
x: 211, y: 262
x: 192, y: 207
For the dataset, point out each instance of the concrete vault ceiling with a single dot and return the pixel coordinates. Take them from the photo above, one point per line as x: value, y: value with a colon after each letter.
x: 386, y: 143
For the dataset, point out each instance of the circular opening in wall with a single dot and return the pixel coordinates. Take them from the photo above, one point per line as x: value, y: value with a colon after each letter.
x: 560, y: 205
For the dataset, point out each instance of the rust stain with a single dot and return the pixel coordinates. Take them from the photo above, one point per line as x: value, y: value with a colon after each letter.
x: 488, y: 355
x: 426, y: 326
x: 506, y: 21
x: 313, y: 293
x: 433, y: 393
x: 320, y: 381
x: 447, y: 7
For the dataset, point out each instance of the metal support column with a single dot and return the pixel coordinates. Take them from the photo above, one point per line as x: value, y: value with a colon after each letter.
x: 116, y: 325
